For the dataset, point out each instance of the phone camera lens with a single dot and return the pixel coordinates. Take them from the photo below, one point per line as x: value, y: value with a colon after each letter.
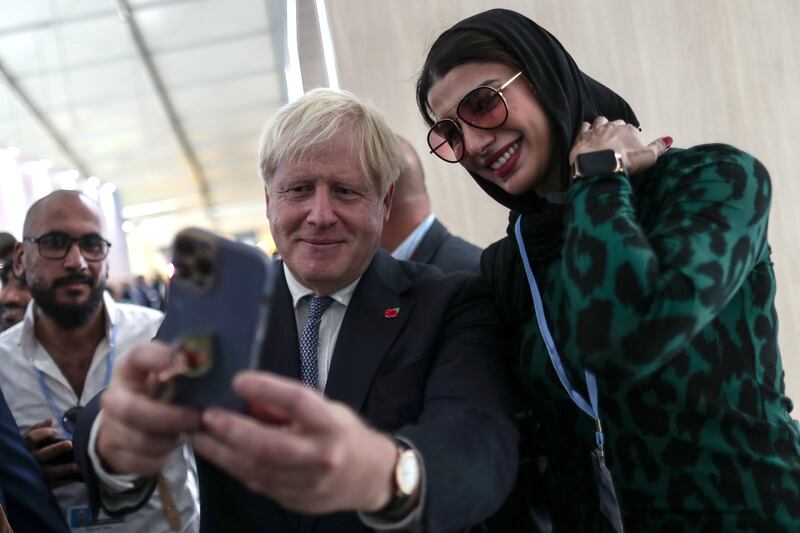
x: 204, y: 266
x: 184, y: 247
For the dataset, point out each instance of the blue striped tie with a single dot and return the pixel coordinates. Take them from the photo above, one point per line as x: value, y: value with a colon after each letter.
x: 317, y: 305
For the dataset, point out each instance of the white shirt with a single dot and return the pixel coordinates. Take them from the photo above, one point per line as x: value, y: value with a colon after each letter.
x: 405, y: 250
x: 23, y: 358
x: 329, y: 325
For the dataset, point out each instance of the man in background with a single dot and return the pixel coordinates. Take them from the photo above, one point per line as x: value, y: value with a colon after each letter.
x: 14, y: 296
x: 64, y: 351
x: 26, y: 504
x: 7, y: 244
x: 143, y: 294
x: 413, y: 233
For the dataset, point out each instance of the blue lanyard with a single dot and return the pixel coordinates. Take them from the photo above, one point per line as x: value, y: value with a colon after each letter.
x: 590, y: 407
x: 107, y: 379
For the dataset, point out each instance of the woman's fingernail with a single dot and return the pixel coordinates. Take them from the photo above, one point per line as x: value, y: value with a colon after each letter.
x: 667, y: 141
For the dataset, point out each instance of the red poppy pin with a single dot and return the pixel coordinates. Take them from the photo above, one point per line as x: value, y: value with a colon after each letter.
x: 391, y: 313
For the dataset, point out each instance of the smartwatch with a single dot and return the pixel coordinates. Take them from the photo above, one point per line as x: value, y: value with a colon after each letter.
x: 597, y: 164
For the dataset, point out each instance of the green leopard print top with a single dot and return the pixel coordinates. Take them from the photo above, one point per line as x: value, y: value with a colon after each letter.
x: 665, y: 289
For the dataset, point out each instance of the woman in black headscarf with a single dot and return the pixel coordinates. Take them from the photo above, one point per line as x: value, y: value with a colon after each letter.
x: 637, y: 285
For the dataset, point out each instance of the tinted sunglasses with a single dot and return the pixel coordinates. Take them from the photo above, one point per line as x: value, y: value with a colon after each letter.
x: 483, y: 107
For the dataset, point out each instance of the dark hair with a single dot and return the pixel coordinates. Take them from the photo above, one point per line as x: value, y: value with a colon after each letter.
x: 454, y: 48
x: 567, y: 95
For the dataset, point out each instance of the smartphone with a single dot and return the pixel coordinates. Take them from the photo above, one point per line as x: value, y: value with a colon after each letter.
x: 216, y: 318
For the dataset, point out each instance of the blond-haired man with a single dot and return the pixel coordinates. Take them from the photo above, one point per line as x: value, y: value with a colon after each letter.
x: 385, y: 402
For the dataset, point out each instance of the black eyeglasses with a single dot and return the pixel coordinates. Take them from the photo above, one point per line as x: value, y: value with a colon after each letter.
x: 483, y: 107
x: 56, y: 245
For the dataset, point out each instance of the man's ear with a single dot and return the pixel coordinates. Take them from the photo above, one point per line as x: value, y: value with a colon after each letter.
x: 387, y: 203
x: 18, y: 261
x: 266, y: 201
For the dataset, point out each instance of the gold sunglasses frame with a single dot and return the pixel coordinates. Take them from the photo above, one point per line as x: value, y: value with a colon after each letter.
x: 499, y: 91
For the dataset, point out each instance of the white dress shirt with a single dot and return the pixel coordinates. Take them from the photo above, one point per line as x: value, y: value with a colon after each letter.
x: 329, y: 325
x: 23, y: 358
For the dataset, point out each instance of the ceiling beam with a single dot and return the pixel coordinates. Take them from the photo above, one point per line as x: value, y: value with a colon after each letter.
x: 54, y: 22
x: 276, y: 19
x: 120, y: 58
x: 309, y: 45
x: 49, y: 128
x: 172, y: 116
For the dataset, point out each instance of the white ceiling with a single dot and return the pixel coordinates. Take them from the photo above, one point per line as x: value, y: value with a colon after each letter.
x: 77, y: 62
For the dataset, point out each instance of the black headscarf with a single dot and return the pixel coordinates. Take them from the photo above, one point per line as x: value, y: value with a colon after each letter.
x: 567, y: 95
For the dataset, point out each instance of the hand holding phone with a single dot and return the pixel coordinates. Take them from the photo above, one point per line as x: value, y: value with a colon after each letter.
x: 216, y: 317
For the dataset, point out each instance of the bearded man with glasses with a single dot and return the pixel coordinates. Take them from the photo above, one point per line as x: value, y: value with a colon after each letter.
x: 64, y: 351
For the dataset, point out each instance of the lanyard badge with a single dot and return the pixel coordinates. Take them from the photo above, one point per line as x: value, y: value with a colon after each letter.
x: 609, y: 504
x: 69, y: 419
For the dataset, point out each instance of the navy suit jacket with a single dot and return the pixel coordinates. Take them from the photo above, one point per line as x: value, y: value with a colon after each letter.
x: 449, y: 253
x: 433, y: 375
x: 28, y: 503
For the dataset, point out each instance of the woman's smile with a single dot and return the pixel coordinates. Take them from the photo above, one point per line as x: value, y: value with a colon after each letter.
x: 519, y: 149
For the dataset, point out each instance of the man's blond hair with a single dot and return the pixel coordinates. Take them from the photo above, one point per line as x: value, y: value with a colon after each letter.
x: 298, y: 128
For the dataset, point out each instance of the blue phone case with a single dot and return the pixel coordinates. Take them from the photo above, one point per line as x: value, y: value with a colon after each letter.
x: 220, y: 294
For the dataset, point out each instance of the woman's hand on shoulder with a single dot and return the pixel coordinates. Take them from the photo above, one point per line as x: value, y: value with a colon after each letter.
x: 621, y: 137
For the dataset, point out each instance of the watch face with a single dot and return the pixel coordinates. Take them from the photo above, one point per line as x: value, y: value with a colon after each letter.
x: 407, y: 472
x: 597, y: 163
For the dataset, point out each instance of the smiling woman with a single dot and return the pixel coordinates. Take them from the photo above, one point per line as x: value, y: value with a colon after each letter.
x: 638, y: 285
x: 512, y: 151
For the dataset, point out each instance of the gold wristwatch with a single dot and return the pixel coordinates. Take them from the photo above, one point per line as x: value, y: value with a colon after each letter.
x: 406, y: 483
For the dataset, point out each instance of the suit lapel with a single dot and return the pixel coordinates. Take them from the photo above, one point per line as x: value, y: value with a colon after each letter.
x: 365, y: 336
x: 367, y: 333
x: 281, y: 346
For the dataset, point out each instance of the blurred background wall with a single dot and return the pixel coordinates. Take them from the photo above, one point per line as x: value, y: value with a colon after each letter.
x: 164, y: 99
